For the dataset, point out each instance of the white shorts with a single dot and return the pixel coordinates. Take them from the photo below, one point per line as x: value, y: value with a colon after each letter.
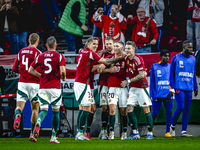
x: 117, y: 93
x: 83, y: 94
x: 138, y: 96
x: 27, y: 91
x: 92, y: 97
x: 50, y: 96
x: 103, y: 95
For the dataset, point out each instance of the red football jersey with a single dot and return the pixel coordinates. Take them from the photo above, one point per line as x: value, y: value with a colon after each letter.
x: 86, y: 57
x: 49, y: 63
x: 103, y: 79
x: 115, y: 79
x: 24, y: 59
x: 110, y: 26
x: 134, y: 67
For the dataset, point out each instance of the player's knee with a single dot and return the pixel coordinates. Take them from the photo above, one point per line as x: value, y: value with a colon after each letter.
x: 93, y: 109
x: 129, y: 109
x: 104, y: 108
x: 112, y: 111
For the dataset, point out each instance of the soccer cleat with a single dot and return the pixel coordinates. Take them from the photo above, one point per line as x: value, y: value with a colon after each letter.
x: 111, y: 135
x: 16, y: 123
x: 172, y: 131
x: 184, y: 134
x: 134, y: 136
x: 31, y: 138
x: 36, y: 130
x: 80, y: 136
x: 105, y: 135
x: 54, y: 140
x: 168, y: 134
x: 124, y: 136
x: 100, y: 134
x: 149, y: 136
x: 87, y: 134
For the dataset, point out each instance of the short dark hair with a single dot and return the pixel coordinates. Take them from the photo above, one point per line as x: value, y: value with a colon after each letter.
x: 164, y: 52
x: 109, y: 38
x: 33, y: 38
x: 120, y: 42
x: 51, y: 42
x: 185, y: 42
x: 131, y: 43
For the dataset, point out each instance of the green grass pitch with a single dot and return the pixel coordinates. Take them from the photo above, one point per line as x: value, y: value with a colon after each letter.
x: 178, y: 143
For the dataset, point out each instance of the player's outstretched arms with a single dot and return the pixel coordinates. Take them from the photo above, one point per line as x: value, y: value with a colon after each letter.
x: 141, y: 75
x: 63, y: 73
x: 112, y: 69
x: 98, y: 68
x: 33, y: 72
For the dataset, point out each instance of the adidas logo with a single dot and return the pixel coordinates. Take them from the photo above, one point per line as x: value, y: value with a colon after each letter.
x: 145, y: 103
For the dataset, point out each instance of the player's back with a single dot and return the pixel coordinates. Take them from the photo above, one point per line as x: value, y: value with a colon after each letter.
x: 25, y: 57
x: 50, y: 69
x: 86, y: 57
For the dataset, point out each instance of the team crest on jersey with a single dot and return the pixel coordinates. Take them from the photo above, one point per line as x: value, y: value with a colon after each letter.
x: 128, y: 62
x: 110, y: 100
x: 123, y: 64
x: 112, y: 24
x: 103, y: 101
x: 159, y: 73
x: 133, y: 66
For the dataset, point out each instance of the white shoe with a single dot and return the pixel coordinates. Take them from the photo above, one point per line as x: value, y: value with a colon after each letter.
x: 184, y: 134
x: 111, y: 135
x: 172, y: 131
x: 100, y: 134
x: 105, y: 135
x: 81, y: 136
x: 124, y: 136
x: 54, y: 140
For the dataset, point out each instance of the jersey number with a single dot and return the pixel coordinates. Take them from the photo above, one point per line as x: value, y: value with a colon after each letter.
x: 25, y: 62
x: 79, y: 59
x: 48, y: 65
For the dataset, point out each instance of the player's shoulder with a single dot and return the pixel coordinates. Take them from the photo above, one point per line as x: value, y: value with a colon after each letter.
x: 138, y: 59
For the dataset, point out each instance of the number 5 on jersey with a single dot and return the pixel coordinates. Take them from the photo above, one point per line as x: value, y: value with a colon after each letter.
x: 48, y: 65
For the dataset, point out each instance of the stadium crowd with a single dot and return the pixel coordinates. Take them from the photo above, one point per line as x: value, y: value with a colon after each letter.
x: 125, y: 33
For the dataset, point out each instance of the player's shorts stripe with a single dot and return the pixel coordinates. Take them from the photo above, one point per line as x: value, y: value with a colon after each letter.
x: 22, y: 93
x: 82, y: 94
x: 43, y: 101
x: 146, y: 89
x: 100, y: 89
x: 54, y: 102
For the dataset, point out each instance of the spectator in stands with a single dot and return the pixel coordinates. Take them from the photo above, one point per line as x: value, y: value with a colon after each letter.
x: 144, y: 28
x: 23, y: 7
x: 154, y: 9
x: 193, y: 23
x: 73, y: 23
x: 129, y: 9
x: 112, y: 25
x: 8, y: 26
x: 106, y: 11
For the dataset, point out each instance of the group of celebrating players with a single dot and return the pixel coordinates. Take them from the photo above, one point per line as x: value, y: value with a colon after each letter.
x: 122, y: 83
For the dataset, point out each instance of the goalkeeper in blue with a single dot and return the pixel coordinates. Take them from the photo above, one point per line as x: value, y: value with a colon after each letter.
x: 183, y: 81
x: 160, y: 89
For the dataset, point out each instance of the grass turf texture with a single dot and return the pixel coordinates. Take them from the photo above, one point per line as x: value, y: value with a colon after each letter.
x: 188, y: 143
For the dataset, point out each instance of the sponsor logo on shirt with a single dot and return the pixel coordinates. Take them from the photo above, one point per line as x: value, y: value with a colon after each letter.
x: 159, y: 73
x: 163, y: 83
x: 185, y: 74
x: 181, y: 64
